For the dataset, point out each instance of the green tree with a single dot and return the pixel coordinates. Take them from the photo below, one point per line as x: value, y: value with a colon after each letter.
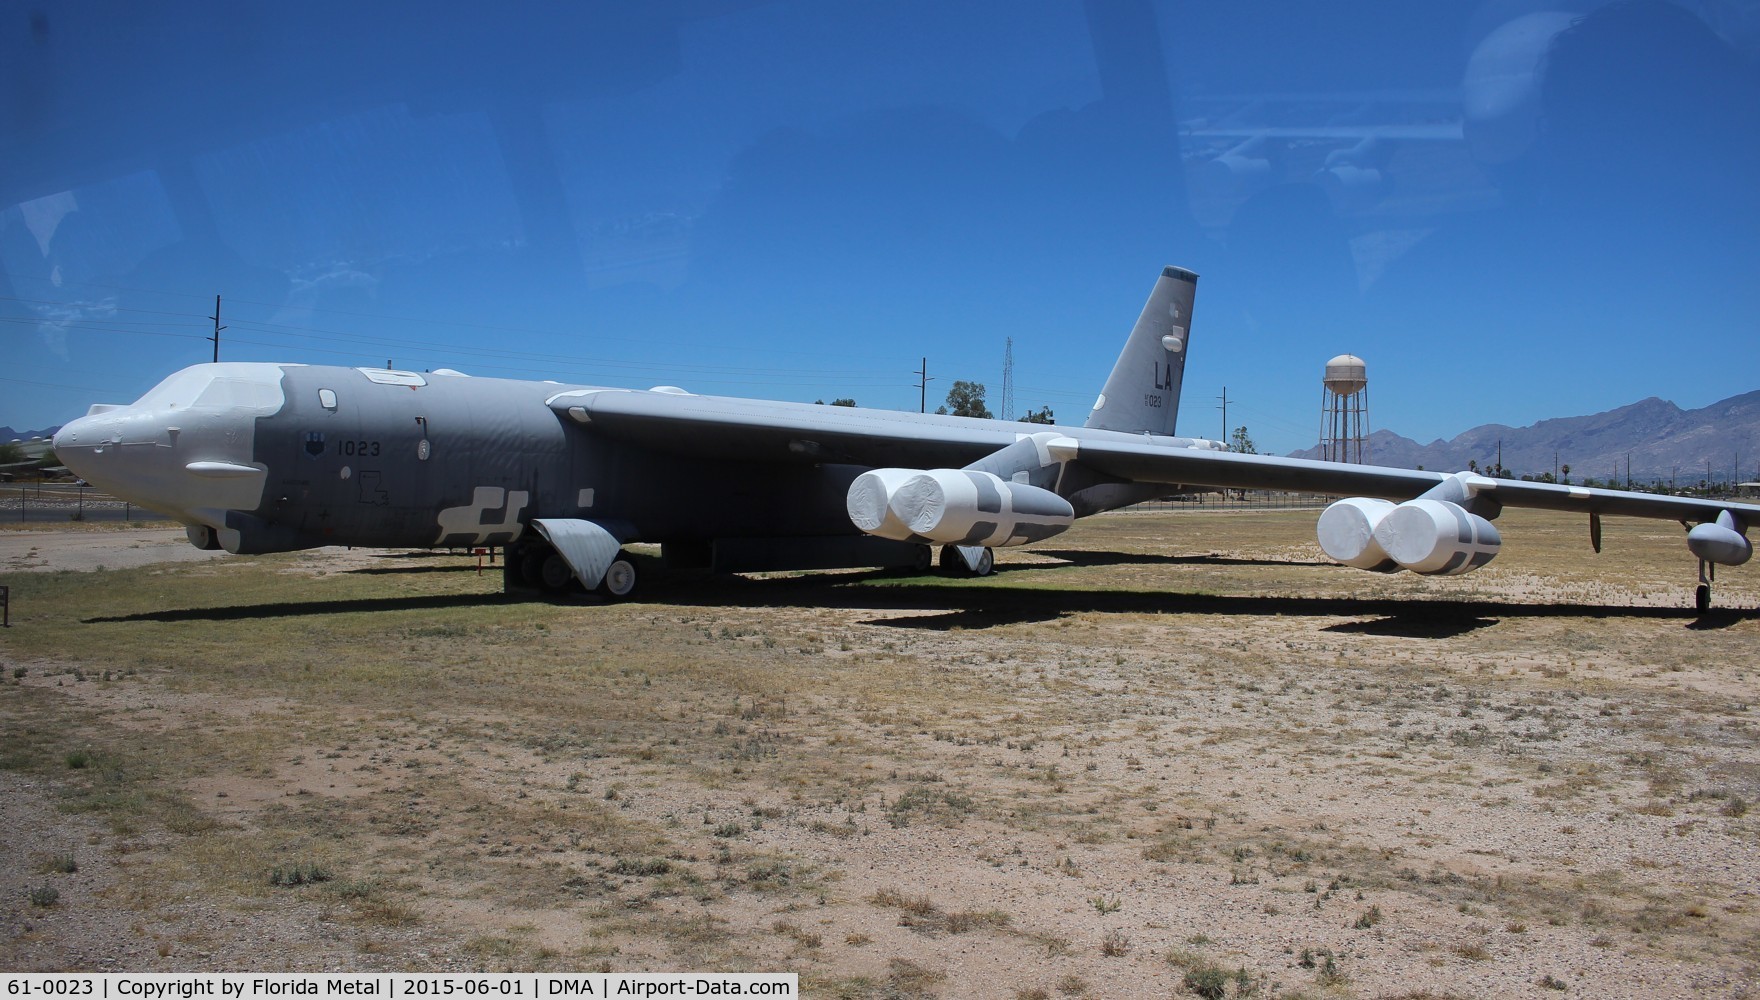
x: 10, y: 453
x: 1041, y: 417
x: 966, y: 399
x: 1242, y: 442
x: 845, y: 401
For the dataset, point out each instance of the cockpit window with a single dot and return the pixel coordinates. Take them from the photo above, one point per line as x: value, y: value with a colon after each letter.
x: 224, y: 387
x: 226, y: 393
x: 177, y: 391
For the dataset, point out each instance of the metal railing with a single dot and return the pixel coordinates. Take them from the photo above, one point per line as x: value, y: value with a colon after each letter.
x: 51, y: 503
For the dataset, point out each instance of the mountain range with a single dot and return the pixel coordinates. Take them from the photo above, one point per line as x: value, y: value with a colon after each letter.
x: 1661, y: 441
x: 8, y: 434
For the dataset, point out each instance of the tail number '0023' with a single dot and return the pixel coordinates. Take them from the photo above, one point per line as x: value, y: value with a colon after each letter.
x: 364, y: 449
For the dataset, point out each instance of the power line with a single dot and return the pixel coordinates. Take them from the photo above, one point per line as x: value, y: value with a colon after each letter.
x: 383, y: 318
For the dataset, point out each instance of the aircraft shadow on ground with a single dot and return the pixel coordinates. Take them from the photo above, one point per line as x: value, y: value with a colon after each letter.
x: 1419, y: 625
x: 939, y: 606
x: 991, y: 604
x: 416, y: 570
x: 246, y: 612
x: 1091, y: 558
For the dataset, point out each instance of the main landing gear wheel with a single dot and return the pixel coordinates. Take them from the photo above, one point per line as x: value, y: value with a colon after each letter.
x: 950, y: 562
x: 1702, y: 598
x: 986, y: 564
x: 531, y: 565
x: 953, y: 562
x: 925, y: 559
x: 620, y: 579
x: 556, y: 573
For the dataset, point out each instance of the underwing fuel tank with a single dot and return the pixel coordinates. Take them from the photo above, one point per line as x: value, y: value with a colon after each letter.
x: 1721, y: 541
x: 1429, y: 537
x: 955, y: 507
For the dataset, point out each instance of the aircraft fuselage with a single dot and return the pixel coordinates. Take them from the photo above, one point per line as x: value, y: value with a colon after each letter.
x: 280, y: 457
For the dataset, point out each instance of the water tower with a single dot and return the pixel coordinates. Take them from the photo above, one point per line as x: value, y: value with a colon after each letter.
x: 1344, y: 410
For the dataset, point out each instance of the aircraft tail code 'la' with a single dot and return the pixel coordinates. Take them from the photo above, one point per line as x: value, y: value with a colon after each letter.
x: 1142, y: 394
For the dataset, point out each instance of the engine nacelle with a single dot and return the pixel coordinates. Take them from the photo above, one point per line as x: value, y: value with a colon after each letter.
x: 1437, y: 538
x: 870, y: 503
x: 955, y: 507
x: 1347, y: 533
x: 1432, y: 537
x: 1721, y: 541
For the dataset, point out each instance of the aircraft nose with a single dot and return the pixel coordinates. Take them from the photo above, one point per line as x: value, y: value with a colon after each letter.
x: 124, y: 451
x: 75, y: 443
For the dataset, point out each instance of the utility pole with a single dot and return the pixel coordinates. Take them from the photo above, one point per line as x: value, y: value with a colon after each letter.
x: 217, y: 328
x: 923, y: 388
x: 1224, y: 408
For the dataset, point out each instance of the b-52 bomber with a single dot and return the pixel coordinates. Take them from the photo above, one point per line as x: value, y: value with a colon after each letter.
x: 257, y: 458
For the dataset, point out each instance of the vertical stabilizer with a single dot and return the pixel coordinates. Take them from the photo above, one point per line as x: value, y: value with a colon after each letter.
x: 1142, y: 394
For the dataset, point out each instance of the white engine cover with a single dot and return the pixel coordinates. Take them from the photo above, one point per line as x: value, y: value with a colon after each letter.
x: 869, y: 503
x: 1437, y: 538
x: 1347, y: 533
x: 955, y: 507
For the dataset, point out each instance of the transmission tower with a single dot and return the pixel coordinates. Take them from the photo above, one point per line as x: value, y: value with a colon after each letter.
x: 1008, y: 380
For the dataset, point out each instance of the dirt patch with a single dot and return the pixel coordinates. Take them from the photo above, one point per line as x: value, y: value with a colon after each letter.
x: 1177, y: 750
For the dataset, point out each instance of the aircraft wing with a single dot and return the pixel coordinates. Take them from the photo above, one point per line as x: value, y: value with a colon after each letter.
x: 753, y: 430
x: 759, y: 431
x: 1228, y: 470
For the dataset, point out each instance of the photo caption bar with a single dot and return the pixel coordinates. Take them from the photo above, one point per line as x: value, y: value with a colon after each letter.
x: 399, y: 986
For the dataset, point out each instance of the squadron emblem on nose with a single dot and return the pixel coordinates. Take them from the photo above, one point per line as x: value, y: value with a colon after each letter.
x: 314, y: 444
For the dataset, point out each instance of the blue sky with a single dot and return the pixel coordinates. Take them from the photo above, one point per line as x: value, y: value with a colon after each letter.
x: 1513, y: 211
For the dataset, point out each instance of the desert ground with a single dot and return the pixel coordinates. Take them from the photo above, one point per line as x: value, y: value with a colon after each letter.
x: 1165, y: 754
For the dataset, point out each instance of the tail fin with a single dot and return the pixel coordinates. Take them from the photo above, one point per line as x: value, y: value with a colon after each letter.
x: 1142, y: 394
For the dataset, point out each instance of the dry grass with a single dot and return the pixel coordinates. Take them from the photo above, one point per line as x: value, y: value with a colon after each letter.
x: 904, y: 786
